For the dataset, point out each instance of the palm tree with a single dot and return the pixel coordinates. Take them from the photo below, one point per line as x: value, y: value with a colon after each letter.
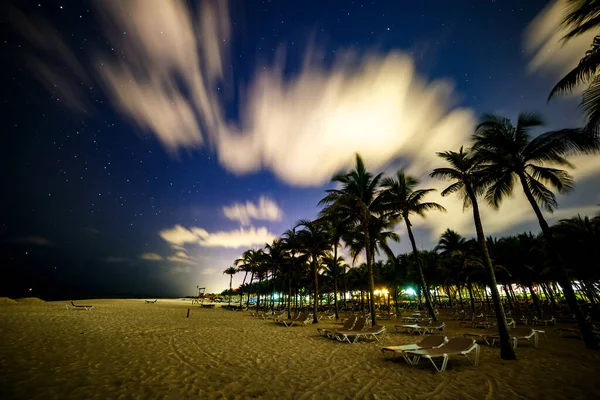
x: 402, y: 200
x: 465, y: 172
x: 358, y: 200
x: 334, y: 263
x: 508, y: 154
x: 314, y: 241
x: 291, y: 243
x: 249, y: 262
x: 582, y: 16
x: 337, y: 225
x: 231, y: 271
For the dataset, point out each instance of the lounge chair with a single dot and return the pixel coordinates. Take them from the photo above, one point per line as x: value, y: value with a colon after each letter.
x: 545, y: 320
x: 439, y: 327
x: 454, y: 347
x: 359, y: 325
x: 74, y: 306
x: 429, y: 342
x: 151, y: 301
x: 303, y: 318
x: 347, y: 325
x: 487, y: 336
x: 352, y: 336
x: 524, y: 333
x: 421, y: 329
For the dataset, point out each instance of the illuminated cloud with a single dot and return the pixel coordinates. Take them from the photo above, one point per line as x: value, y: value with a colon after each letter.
x: 151, y: 257
x: 181, y: 257
x: 266, y: 209
x: 242, y: 237
x: 303, y: 128
x: 542, y: 42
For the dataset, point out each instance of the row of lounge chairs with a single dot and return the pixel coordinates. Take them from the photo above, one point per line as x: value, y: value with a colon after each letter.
x: 435, y: 347
x: 422, y: 328
x: 491, y: 336
x: 353, y: 330
x: 300, y: 318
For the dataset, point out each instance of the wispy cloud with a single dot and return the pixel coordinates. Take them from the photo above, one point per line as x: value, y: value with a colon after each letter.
x: 35, y: 240
x: 181, y: 257
x: 151, y: 257
x: 303, y: 128
x: 241, y: 237
x: 542, y: 42
x: 265, y: 209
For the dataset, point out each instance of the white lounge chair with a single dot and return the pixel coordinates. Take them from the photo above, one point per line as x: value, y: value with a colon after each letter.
x: 74, y: 306
x: 454, y: 347
x: 428, y: 342
x: 352, y: 336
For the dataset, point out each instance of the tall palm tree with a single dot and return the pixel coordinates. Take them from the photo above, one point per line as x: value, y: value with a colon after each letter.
x: 583, y: 16
x: 402, y: 200
x: 468, y: 183
x: 337, y: 225
x: 291, y: 243
x: 509, y: 154
x: 358, y: 199
x: 249, y: 262
x: 314, y: 241
x: 231, y: 271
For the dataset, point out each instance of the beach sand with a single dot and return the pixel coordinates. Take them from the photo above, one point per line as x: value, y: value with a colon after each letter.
x: 126, y: 349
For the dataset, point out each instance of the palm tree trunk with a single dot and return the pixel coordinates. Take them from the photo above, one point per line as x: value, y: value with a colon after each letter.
x: 370, y: 269
x: 460, y: 297
x: 420, y: 267
x: 249, y: 289
x: 316, y: 291
x: 230, y: 279
x: 536, y: 301
x: 335, y: 281
x: 508, y: 299
x: 289, y: 305
x: 506, y: 350
x: 243, y: 283
x: 470, y: 287
x: 584, y: 326
x: 551, y: 294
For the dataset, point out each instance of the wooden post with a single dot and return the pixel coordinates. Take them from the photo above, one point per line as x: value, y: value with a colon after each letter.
x: 188, y: 313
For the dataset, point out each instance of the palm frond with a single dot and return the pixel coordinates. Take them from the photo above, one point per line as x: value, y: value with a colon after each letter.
x: 580, y: 16
x: 584, y: 71
x: 590, y: 104
x: 422, y: 207
x: 558, y: 178
x: 552, y: 147
x: 541, y: 194
x: 501, y: 187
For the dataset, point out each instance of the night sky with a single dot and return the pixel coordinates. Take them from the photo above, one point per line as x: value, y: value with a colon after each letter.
x: 146, y: 144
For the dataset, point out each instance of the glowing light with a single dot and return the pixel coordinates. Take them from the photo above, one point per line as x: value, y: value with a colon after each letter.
x: 410, y: 291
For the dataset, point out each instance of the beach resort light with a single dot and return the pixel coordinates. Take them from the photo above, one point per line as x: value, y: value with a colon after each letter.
x: 410, y: 291
x: 384, y: 292
x: 276, y: 296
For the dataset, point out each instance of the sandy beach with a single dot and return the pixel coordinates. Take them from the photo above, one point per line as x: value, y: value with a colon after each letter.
x: 128, y: 349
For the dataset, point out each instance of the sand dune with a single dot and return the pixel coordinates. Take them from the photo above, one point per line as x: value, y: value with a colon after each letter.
x: 129, y: 349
